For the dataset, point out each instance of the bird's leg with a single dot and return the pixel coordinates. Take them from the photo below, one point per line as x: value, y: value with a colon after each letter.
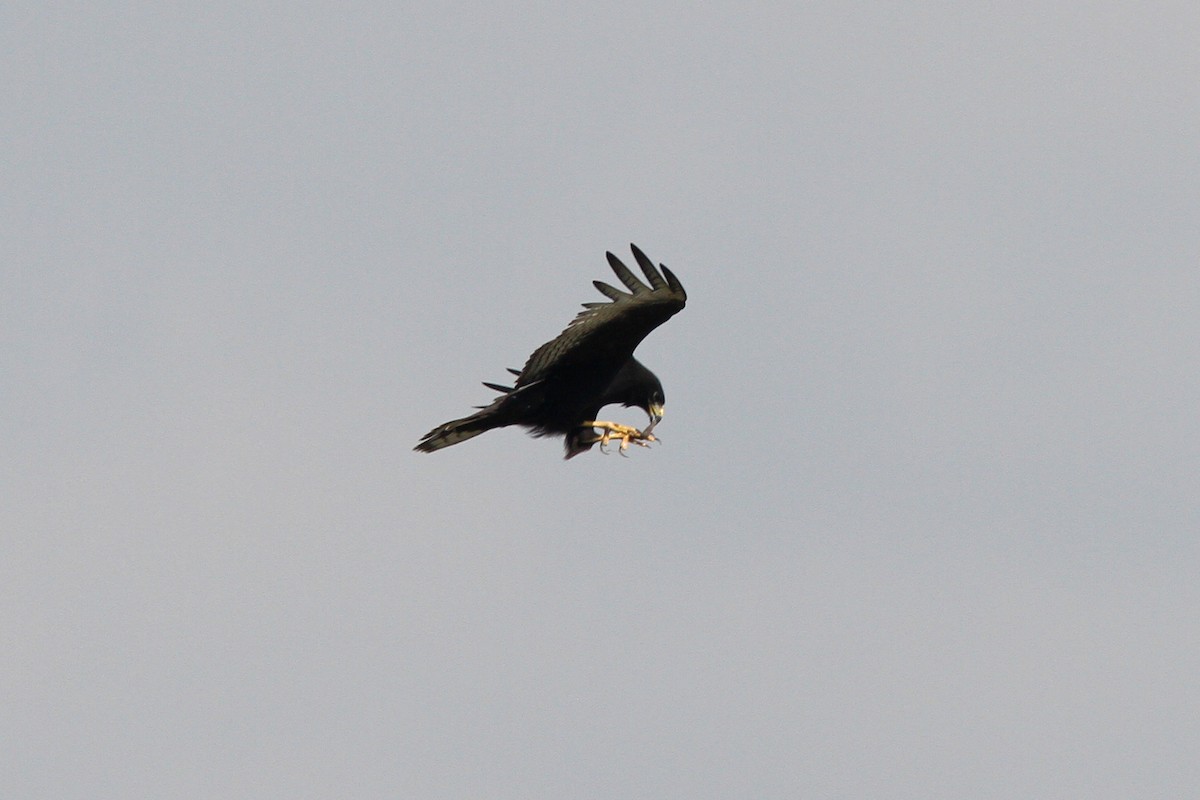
x: 625, y: 433
x: 602, y: 439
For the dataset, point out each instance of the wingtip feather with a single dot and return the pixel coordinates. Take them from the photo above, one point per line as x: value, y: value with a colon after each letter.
x: 628, y: 278
x: 652, y: 275
x: 673, y: 282
x: 611, y: 292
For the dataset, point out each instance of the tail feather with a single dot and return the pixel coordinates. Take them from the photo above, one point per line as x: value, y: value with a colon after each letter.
x: 579, y: 440
x: 456, y: 431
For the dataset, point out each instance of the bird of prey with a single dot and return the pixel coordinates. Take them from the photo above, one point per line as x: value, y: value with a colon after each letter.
x: 565, y: 382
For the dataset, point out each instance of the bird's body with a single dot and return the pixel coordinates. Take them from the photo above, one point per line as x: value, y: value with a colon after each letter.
x: 566, y: 381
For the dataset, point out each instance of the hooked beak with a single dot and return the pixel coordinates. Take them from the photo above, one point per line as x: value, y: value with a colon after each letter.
x: 656, y: 412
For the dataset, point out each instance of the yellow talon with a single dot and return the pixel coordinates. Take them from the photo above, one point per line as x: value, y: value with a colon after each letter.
x: 624, y: 433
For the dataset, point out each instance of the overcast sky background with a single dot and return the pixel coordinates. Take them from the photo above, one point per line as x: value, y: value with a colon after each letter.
x: 924, y: 519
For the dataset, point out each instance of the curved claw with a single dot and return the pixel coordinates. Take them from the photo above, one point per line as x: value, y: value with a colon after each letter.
x: 624, y: 433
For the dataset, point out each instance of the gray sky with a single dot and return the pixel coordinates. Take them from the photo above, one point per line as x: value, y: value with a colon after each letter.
x: 924, y: 518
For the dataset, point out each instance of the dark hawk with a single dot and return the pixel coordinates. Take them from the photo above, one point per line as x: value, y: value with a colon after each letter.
x: 565, y: 383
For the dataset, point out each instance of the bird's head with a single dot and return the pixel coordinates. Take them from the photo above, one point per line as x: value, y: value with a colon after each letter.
x: 637, y: 387
x: 655, y: 407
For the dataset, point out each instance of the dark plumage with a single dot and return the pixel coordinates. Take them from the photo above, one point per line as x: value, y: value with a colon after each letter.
x: 589, y: 365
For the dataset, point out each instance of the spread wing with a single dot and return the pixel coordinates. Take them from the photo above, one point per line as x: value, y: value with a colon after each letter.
x: 608, y: 332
